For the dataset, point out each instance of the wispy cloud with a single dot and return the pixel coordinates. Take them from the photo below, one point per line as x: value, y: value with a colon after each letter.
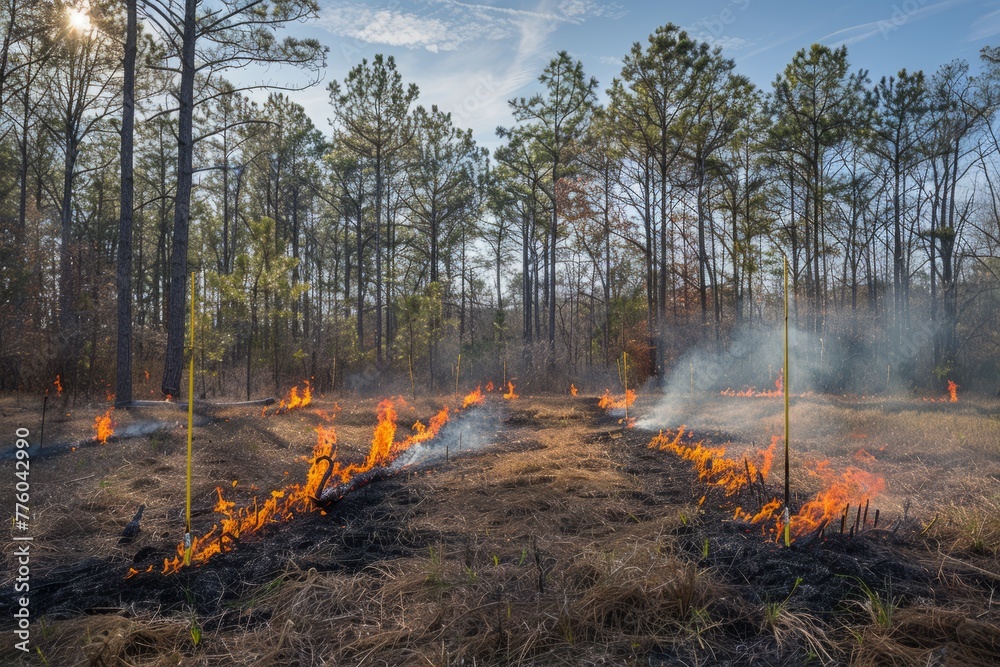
x: 885, y: 27
x: 985, y: 26
x: 447, y: 25
x: 468, y: 57
x: 434, y: 31
x: 729, y: 44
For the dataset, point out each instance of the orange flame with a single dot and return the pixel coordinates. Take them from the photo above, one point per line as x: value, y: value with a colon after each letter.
x: 473, y: 398
x: 510, y: 395
x: 293, y: 499
x: 293, y: 400
x: 489, y: 386
x: 953, y: 391
x: 104, y: 427
x: 714, y: 467
x: 752, y: 392
x: 385, y: 433
x: 609, y: 402
x: 572, y: 390
x: 58, y: 386
x: 282, y: 505
x: 863, y: 456
x: 423, y: 433
x: 852, y: 487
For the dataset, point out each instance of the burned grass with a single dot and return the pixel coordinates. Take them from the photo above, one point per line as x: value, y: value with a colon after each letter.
x: 565, y: 541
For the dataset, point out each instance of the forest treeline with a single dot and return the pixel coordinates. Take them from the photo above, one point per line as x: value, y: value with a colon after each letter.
x: 373, y: 251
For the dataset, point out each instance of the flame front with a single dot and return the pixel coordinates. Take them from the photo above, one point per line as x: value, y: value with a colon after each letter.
x: 572, y: 390
x: 510, y: 395
x: 714, y: 467
x: 752, y: 392
x: 293, y: 400
x: 58, y: 385
x: 953, y: 391
x: 104, y: 428
x: 610, y: 402
x: 473, y: 398
x: 282, y: 505
x: 293, y: 499
x: 852, y: 487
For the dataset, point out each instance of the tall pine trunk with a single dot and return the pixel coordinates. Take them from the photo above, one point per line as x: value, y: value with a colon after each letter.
x: 123, y: 278
x: 174, y: 363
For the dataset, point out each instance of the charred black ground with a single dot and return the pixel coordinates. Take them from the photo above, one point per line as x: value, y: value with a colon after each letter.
x: 534, y: 517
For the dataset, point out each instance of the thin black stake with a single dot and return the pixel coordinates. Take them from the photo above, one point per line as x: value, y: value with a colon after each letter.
x: 843, y: 518
x: 41, y: 434
x: 864, y: 520
x: 857, y: 521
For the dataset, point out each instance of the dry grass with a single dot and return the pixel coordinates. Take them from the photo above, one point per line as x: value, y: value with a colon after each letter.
x: 551, y: 547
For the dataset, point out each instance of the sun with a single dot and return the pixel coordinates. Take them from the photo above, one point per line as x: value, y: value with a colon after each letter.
x: 79, y: 19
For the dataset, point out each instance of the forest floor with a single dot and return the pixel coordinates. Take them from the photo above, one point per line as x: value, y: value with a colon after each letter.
x: 546, y: 535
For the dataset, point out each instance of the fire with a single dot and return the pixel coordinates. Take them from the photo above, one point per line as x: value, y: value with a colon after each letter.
x: 489, y: 386
x: 572, y: 390
x: 293, y: 400
x: 473, y: 398
x: 953, y: 391
x: 862, y: 456
x: 510, y: 395
x: 714, y: 467
x: 852, y: 487
x: 753, y: 392
x: 58, y: 386
x: 283, y: 504
x: 423, y: 433
x: 609, y: 402
x: 382, y: 439
x: 104, y: 427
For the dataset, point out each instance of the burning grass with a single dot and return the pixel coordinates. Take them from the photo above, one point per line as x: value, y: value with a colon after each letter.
x: 952, y: 396
x: 840, y: 490
x: 474, y: 397
x: 293, y: 400
x: 752, y: 392
x: 714, y: 468
x: 283, y: 504
x: 571, y: 543
x: 104, y: 426
x: 611, y: 402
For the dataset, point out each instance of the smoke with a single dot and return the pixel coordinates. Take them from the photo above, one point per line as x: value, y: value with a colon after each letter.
x: 754, y: 358
x: 851, y: 357
x: 148, y: 427
x: 469, y: 432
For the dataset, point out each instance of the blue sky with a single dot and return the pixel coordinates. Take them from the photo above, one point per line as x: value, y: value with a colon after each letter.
x: 470, y: 57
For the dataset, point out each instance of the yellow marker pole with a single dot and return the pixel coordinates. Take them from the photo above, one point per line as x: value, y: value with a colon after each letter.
x: 786, y: 392
x: 625, y: 383
x: 187, y: 515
